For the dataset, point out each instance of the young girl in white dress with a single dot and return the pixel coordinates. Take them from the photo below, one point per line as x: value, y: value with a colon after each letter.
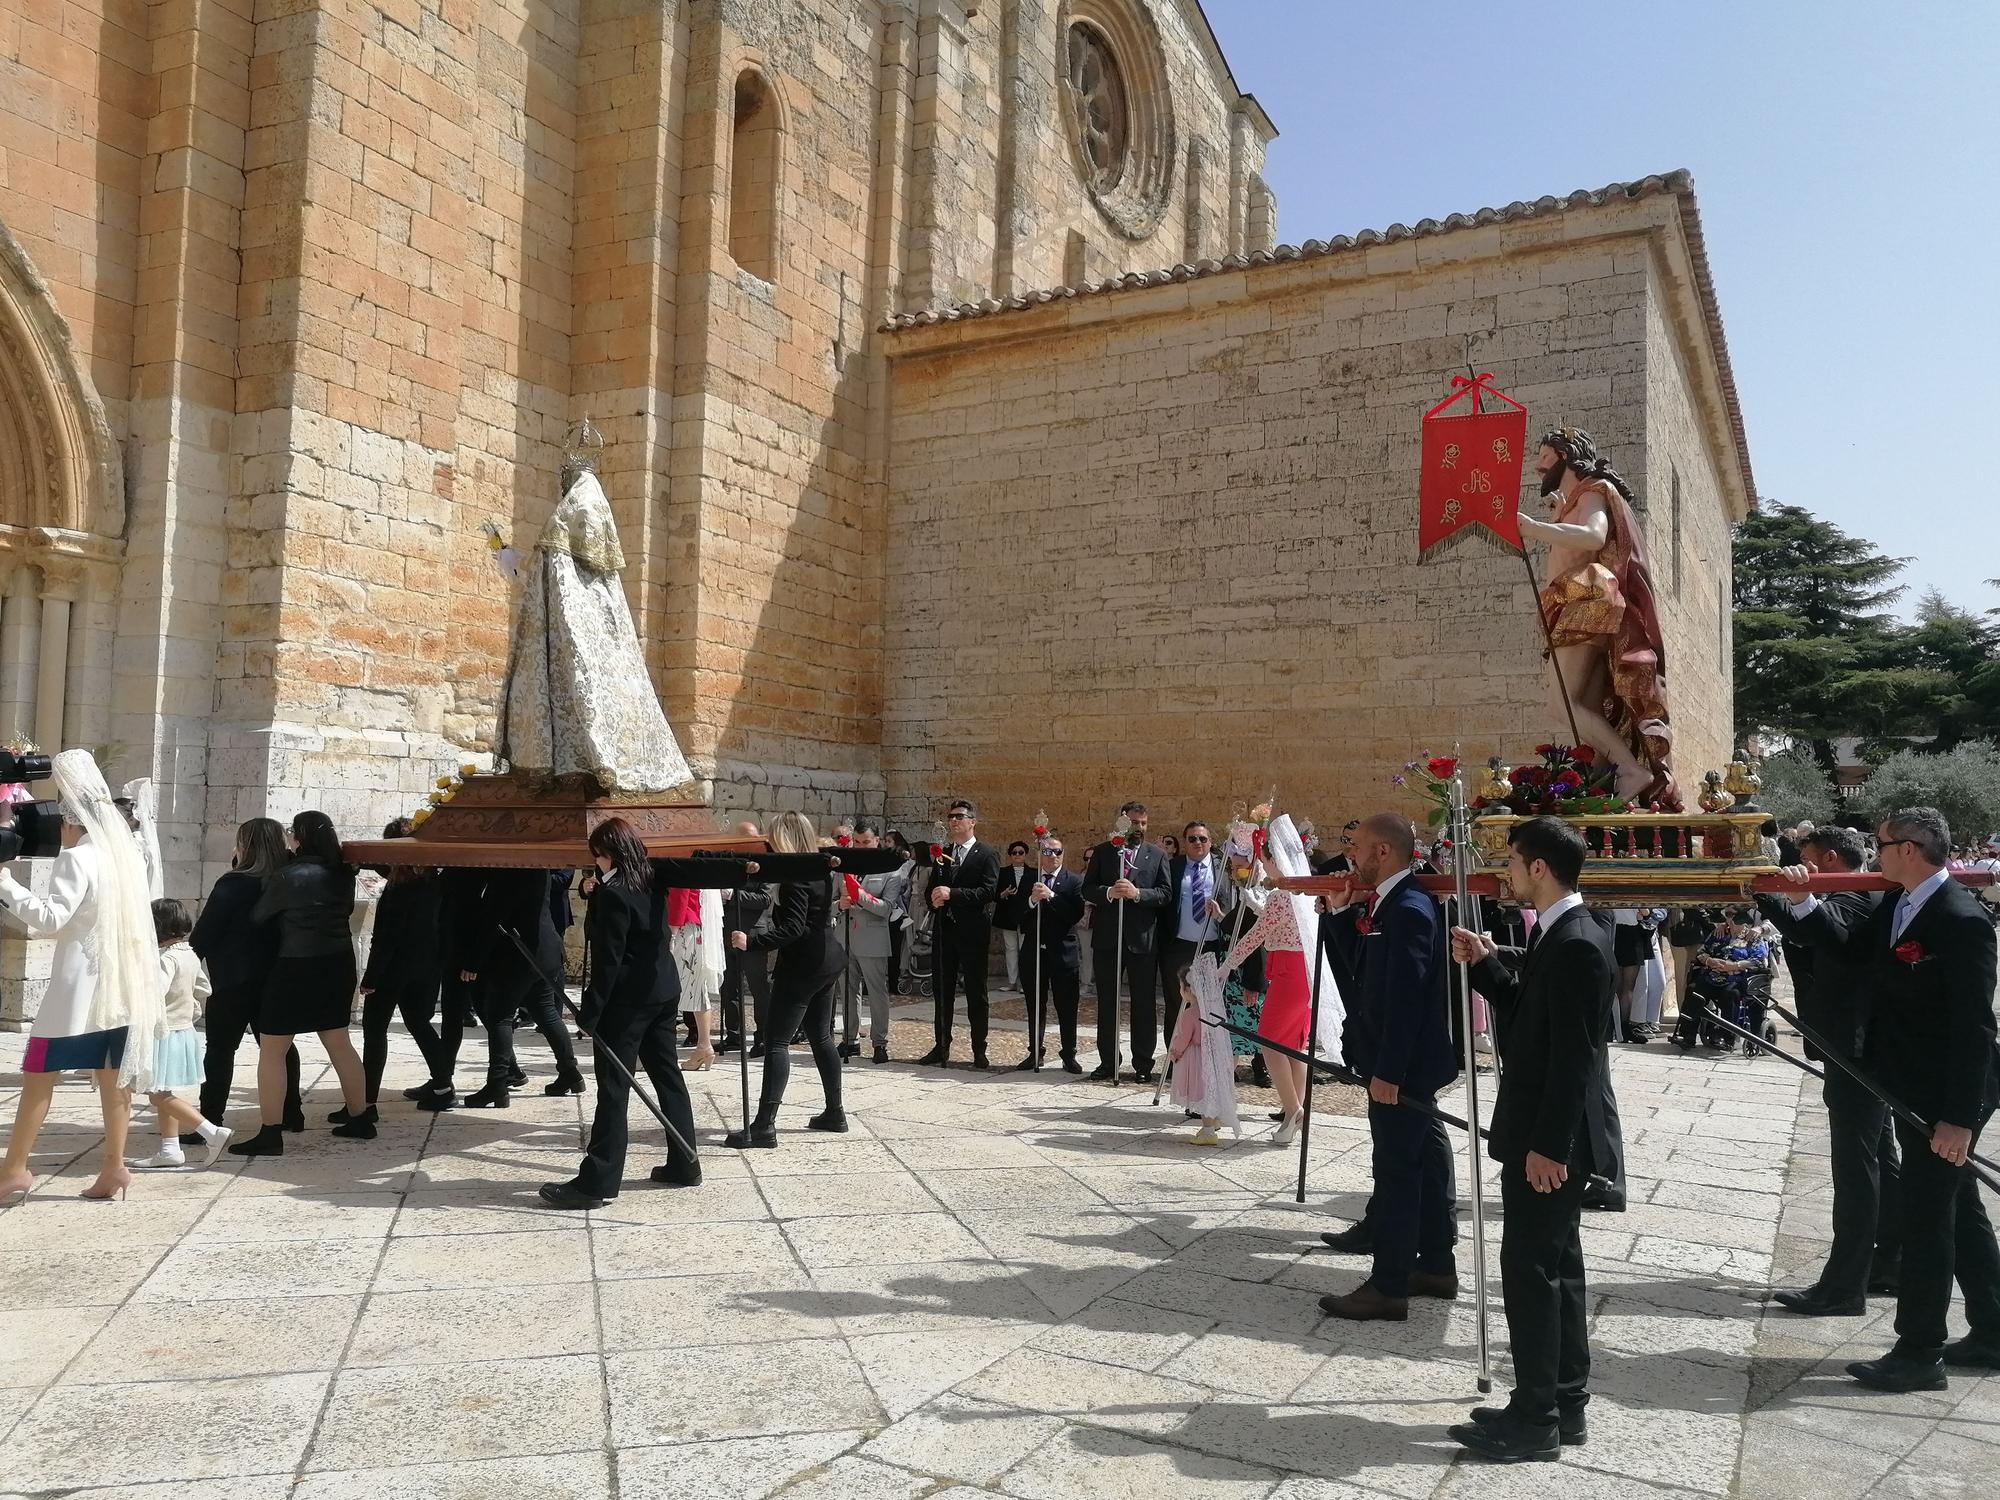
x: 177, y: 1057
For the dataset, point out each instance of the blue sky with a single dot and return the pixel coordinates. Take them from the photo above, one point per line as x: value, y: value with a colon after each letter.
x: 1844, y: 160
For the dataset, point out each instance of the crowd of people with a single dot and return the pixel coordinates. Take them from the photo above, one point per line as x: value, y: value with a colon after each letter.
x: 1198, y: 932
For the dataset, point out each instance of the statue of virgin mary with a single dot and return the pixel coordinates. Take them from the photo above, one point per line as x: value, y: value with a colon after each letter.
x: 578, y: 698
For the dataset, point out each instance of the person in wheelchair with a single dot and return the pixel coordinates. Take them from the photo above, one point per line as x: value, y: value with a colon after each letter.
x: 1732, y: 979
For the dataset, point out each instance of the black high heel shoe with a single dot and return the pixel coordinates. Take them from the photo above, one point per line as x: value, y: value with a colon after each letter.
x: 565, y: 1083
x: 493, y: 1096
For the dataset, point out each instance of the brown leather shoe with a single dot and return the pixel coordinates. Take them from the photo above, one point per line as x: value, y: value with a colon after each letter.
x: 1366, y: 1305
x: 1440, y: 1284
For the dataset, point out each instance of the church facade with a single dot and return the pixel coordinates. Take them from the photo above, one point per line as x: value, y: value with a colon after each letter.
x: 967, y: 428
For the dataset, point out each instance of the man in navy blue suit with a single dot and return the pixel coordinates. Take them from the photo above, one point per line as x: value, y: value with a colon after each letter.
x: 1389, y: 954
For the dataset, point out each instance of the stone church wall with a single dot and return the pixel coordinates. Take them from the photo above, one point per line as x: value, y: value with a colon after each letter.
x: 1191, y: 513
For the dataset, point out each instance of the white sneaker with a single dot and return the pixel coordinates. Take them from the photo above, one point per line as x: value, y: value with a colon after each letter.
x: 213, y: 1144
x: 1289, y: 1131
x: 165, y: 1157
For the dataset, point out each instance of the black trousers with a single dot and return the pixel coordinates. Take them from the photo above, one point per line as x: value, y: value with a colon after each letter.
x: 1063, y: 981
x: 640, y: 1036
x: 959, y: 956
x: 1413, y: 1208
x: 509, y: 990
x: 1946, y: 1234
x: 230, y: 1013
x: 797, y: 1006
x: 456, y: 1007
x: 416, y: 998
x: 739, y: 969
x: 1542, y: 1288
x: 1141, y: 970
x: 1867, y: 1186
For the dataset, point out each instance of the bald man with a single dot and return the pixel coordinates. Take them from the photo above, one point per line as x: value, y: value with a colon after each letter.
x: 1388, y: 952
x: 752, y: 905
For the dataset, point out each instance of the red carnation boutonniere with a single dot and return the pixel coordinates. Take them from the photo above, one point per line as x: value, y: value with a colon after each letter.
x: 1910, y: 953
x: 1364, y: 924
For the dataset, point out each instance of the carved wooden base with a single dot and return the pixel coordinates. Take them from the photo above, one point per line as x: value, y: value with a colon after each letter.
x: 518, y: 822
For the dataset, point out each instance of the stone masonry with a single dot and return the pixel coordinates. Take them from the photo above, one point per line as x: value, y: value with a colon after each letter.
x: 296, y: 295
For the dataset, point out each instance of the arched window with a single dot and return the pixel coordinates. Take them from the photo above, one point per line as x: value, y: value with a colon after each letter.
x: 755, y: 162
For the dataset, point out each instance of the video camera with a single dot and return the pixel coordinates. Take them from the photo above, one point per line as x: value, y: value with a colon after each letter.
x: 28, y: 830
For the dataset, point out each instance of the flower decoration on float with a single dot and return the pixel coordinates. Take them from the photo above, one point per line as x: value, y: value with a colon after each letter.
x: 1569, y: 780
x: 420, y: 817
x: 1433, y: 775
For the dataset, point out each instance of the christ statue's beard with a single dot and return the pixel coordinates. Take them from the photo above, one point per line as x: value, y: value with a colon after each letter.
x: 1552, y: 478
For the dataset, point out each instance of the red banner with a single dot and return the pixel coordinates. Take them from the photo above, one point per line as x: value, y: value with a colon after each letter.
x: 1471, y: 472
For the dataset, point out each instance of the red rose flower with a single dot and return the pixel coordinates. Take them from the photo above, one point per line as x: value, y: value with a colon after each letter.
x: 1041, y: 830
x: 842, y: 839
x: 1442, y: 766
x: 1364, y: 925
x: 1118, y: 841
x: 937, y: 851
x: 1910, y: 953
x: 1583, y: 755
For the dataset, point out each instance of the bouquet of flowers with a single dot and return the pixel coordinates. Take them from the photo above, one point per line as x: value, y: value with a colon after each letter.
x: 1432, y: 777
x: 1569, y: 779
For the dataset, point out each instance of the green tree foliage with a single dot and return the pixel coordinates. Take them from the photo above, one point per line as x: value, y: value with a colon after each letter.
x: 1962, y: 783
x: 1796, y: 789
x: 1819, y: 656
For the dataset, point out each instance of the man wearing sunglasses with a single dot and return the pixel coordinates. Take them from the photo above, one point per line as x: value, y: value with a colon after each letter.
x: 961, y: 896
x: 1195, y: 920
x: 1055, y: 906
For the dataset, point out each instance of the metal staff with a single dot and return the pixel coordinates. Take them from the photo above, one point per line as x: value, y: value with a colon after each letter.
x: 599, y: 1046
x: 746, y: 1003
x: 1117, y: 969
x: 1041, y: 973
x: 1312, y: 1047
x: 1460, y: 839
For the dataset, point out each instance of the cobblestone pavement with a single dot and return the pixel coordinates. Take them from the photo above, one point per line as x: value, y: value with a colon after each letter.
x: 1023, y: 1286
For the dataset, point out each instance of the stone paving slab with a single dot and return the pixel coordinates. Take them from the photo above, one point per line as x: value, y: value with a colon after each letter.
x: 997, y: 1285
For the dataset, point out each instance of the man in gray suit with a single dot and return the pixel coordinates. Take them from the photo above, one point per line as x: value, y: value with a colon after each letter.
x: 877, y: 906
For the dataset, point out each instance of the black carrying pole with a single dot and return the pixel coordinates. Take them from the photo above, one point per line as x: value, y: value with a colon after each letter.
x: 1312, y: 1047
x: 599, y: 1048
x: 1979, y: 1166
x: 1340, y: 1074
x: 1041, y: 979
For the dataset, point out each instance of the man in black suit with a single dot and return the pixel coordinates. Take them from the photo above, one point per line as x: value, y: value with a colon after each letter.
x: 961, y: 897
x: 1930, y: 955
x: 1135, y: 875
x: 1050, y: 954
x: 1388, y: 955
x: 1835, y: 991
x: 1555, y: 1002
x: 1195, y: 918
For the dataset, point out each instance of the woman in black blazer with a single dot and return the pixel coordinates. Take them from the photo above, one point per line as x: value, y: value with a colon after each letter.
x: 810, y: 960
x: 631, y: 1008
x: 239, y: 954
x: 405, y: 969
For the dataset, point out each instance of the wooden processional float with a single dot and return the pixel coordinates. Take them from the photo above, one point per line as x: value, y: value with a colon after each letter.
x: 514, y: 821
x: 1711, y: 857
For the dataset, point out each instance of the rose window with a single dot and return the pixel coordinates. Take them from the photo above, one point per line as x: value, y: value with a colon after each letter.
x: 1103, y: 119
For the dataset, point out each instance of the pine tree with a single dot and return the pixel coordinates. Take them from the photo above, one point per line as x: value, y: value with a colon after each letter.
x: 1814, y: 642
